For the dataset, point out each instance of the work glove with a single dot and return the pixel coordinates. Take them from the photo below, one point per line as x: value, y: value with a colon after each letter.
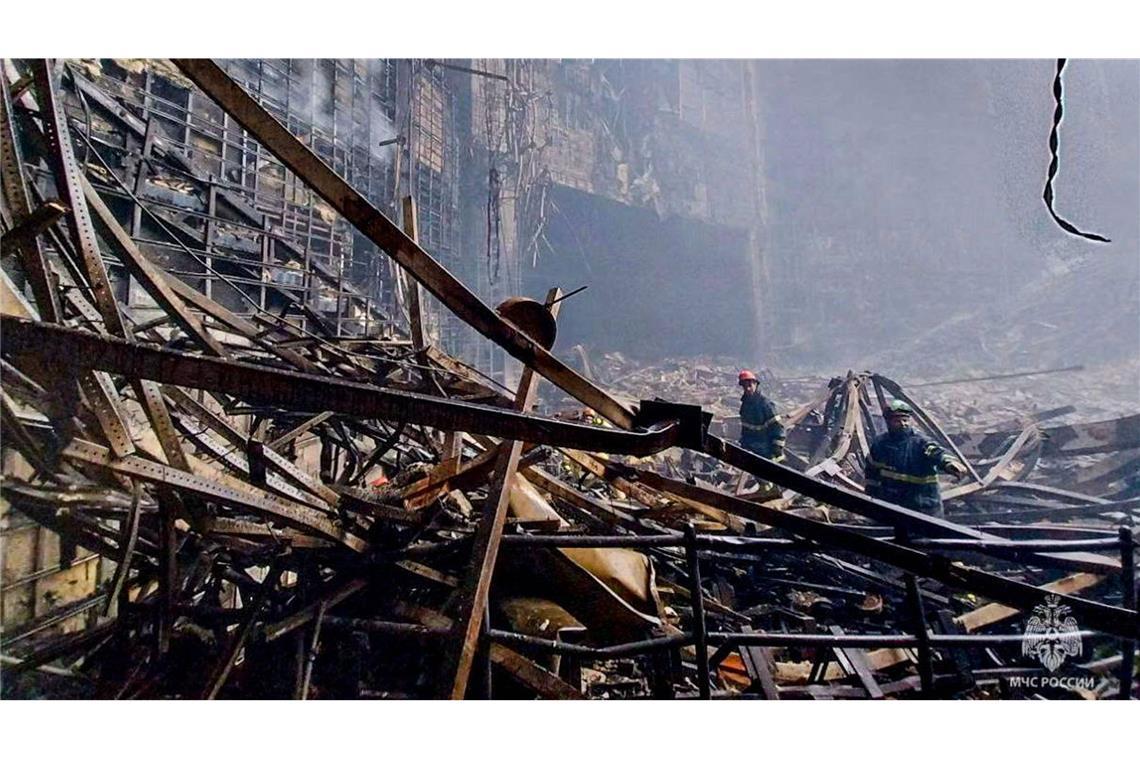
x: 957, y: 469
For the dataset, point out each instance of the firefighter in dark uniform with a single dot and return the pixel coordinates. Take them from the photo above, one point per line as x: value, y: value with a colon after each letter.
x: 761, y: 431
x: 903, y: 465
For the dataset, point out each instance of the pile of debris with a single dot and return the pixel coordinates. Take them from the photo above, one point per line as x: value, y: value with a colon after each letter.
x: 312, y: 515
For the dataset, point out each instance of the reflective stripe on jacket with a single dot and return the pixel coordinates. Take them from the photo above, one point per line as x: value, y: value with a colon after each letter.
x: 903, y: 469
x: 762, y: 426
x: 761, y: 429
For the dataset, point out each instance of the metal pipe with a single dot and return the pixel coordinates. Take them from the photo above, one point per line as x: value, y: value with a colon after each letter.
x: 746, y: 544
x: 430, y: 62
x: 614, y: 652
x: 697, y: 598
x: 488, y: 692
x: 925, y: 662
x: 311, y: 655
x: 567, y: 541
x: 1128, y: 584
x: 867, y: 641
x: 715, y: 638
x: 959, y: 380
x: 1034, y: 545
x: 384, y: 626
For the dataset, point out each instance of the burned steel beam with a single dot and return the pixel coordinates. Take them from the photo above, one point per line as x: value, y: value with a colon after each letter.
x: 317, y: 393
x: 16, y: 195
x: 148, y: 275
x: 475, y: 588
x: 415, y: 306
x: 384, y: 233
x: 31, y: 226
x: 67, y: 173
x: 214, y: 485
x: 892, y: 514
x: 1111, y: 619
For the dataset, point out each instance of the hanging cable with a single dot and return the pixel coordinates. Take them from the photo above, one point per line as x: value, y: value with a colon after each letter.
x: 1058, y: 114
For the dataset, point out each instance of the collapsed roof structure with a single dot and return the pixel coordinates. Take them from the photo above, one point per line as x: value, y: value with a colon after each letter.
x: 285, y: 506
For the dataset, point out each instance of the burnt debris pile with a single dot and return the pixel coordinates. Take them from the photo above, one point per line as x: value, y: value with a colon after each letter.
x: 229, y: 495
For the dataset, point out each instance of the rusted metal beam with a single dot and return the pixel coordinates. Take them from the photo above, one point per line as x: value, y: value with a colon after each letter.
x: 1023, y: 596
x: 71, y: 182
x: 282, y: 440
x: 104, y: 402
x: 148, y: 275
x: 101, y: 395
x: 16, y: 195
x: 128, y: 537
x: 415, y: 306
x: 61, y: 158
x: 18, y: 436
x: 527, y: 672
x: 316, y: 393
x: 292, y: 473
x: 915, y: 522
x: 306, y: 165
x: 475, y: 589
x: 31, y: 226
x: 215, y: 486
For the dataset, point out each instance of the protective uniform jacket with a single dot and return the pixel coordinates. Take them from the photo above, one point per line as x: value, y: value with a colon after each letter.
x: 903, y: 469
x: 760, y: 428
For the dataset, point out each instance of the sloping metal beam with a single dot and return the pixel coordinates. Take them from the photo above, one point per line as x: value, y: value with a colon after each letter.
x: 16, y: 195
x: 881, y: 511
x: 1114, y: 620
x: 317, y: 393
x: 232, y: 201
x: 354, y: 207
x: 148, y: 275
x: 476, y: 586
x: 212, y: 484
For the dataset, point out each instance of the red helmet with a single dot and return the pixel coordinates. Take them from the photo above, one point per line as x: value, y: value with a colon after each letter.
x: 745, y: 376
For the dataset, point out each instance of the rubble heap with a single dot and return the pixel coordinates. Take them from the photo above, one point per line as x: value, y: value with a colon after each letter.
x: 307, y: 514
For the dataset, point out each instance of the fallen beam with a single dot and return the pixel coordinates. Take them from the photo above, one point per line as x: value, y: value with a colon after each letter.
x: 1115, y: 620
x: 354, y: 207
x: 910, y: 520
x: 317, y: 393
x: 475, y: 588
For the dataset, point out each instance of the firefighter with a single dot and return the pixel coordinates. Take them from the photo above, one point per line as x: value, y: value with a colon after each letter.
x: 570, y: 468
x: 761, y: 431
x: 903, y: 466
